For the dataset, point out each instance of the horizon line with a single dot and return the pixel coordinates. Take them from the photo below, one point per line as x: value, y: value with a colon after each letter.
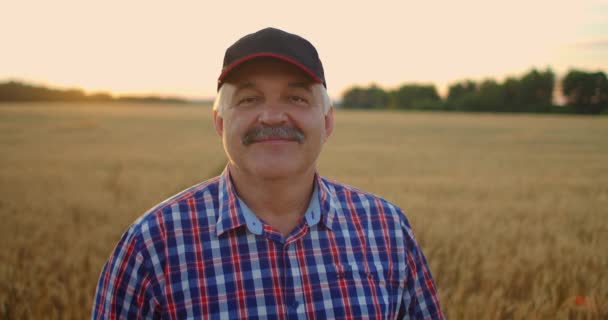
x: 194, y: 98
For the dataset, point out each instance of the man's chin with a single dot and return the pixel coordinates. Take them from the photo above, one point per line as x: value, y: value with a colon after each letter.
x: 276, y: 170
x: 273, y: 173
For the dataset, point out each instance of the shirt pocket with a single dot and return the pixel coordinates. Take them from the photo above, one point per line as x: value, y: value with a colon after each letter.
x: 357, y: 291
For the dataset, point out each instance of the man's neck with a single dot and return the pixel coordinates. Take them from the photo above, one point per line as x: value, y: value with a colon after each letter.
x: 279, y: 202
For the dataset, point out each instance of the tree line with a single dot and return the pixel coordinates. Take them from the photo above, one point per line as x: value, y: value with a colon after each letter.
x: 584, y: 92
x: 13, y: 91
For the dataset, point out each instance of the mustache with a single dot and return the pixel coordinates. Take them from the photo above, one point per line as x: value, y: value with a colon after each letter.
x: 265, y: 132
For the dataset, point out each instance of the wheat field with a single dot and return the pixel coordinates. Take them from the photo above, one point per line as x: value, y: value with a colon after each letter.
x: 511, y: 210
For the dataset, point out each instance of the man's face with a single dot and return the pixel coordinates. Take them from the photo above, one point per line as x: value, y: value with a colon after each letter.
x: 275, y: 126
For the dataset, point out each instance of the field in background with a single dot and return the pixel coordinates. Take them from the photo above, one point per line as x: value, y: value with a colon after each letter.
x: 511, y: 210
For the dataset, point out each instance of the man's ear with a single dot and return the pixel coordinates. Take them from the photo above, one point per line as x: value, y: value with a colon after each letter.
x: 218, y: 123
x: 329, y: 122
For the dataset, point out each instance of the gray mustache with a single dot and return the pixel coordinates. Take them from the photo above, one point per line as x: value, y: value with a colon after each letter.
x: 265, y: 132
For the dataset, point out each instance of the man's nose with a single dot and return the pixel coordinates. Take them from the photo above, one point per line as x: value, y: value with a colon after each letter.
x: 273, y: 113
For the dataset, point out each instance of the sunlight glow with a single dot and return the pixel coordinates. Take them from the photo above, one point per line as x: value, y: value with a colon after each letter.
x: 177, y: 48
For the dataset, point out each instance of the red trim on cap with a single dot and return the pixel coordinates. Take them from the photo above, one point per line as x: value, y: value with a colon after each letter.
x: 268, y: 54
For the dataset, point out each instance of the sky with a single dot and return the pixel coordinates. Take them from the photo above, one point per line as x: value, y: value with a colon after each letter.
x: 175, y: 48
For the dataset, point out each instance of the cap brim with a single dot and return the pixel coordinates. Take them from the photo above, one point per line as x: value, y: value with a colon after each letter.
x: 240, y: 61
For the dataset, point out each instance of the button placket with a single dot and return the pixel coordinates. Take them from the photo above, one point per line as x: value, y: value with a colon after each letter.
x: 295, y: 303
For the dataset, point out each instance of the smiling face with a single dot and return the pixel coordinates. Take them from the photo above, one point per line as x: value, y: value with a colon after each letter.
x: 274, y: 126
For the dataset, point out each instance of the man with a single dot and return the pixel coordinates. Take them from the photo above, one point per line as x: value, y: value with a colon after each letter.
x: 269, y: 238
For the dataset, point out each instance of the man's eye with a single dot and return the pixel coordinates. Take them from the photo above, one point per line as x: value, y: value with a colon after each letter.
x: 298, y: 99
x: 247, y: 101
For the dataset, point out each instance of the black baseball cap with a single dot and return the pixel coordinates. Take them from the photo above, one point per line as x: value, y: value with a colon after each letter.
x: 274, y: 43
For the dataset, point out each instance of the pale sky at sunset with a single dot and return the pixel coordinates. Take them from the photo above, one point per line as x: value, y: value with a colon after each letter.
x: 177, y: 47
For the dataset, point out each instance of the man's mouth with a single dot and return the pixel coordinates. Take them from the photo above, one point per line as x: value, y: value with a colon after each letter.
x: 265, y: 133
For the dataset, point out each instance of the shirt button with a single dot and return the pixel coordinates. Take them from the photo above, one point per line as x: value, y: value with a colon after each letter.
x: 296, y: 305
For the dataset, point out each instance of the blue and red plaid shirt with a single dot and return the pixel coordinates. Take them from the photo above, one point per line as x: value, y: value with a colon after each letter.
x: 204, y: 254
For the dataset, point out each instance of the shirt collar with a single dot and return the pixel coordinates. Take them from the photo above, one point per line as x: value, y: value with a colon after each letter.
x: 234, y: 213
x: 328, y: 202
x: 313, y: 212
x: 229, y: 216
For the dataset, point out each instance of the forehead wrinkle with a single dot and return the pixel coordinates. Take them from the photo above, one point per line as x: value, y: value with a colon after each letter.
x: 249, y: 84
x: 301, y: 84
x: 245, y: 85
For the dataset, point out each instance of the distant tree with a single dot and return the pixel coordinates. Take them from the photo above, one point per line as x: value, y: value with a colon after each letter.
x: 536, y: 90
x: 372, y: 97
x: 100, y: 97
x: 531, y: 93
x: 511, y: 89
x: 73, y: 95
x: 16, y: 91
x: 460, y: 95
x: 490, y: 97
x: 415, y: 96
x: 459, y: 90
x: 586, y: 92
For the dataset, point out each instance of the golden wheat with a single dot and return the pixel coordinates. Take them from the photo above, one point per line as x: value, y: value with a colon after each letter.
x: 511, y: 210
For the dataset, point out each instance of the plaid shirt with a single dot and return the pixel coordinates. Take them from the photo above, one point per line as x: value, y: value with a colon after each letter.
x: 204, y: 254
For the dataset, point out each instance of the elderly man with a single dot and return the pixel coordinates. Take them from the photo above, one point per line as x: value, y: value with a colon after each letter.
x: 269, y: 238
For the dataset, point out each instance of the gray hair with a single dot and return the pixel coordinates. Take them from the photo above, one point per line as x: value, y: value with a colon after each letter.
x: 224, y: 97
